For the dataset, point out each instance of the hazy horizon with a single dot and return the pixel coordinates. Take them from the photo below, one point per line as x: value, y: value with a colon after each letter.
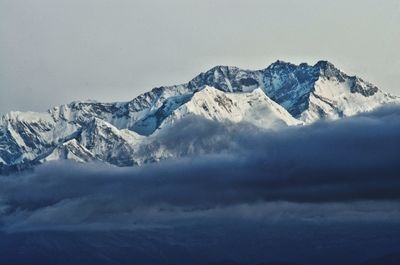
x: 54, y: 52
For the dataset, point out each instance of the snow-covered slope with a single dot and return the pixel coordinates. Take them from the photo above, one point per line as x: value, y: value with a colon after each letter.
x: 283, y: 94
x: 320, y: 91
x: 334, y: 98
x: 110, y: 144
x: 27, y: 136
x: 71, y: 150
x: 251, y: 107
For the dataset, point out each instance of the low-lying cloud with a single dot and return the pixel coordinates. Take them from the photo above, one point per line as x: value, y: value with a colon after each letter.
x: 327, y: 169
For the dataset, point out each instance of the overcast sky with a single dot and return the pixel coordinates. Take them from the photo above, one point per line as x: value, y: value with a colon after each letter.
x: 56, y: 51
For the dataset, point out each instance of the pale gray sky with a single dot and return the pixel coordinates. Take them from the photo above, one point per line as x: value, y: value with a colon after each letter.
x: 56, y: 51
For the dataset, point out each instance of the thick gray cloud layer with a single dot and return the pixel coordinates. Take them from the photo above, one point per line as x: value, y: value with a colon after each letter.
x: 326, y: 169
x: 53, y: 52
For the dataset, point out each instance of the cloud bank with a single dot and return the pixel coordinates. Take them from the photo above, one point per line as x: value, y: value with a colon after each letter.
x: 330, y: 170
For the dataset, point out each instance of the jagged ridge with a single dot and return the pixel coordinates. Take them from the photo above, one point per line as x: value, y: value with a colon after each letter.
x: 283, y: 93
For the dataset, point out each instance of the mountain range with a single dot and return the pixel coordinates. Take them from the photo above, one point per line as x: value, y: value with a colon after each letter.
x: 120, y: 133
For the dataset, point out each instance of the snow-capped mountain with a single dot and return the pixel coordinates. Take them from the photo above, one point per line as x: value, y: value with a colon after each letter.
x: 283, y: 94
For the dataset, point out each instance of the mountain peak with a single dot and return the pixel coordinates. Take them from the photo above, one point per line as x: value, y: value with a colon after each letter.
x: 226, y: 78
x: 329, y: 70
x: 222, y: 68
x: 279, y: 64
x: 324, y: 64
